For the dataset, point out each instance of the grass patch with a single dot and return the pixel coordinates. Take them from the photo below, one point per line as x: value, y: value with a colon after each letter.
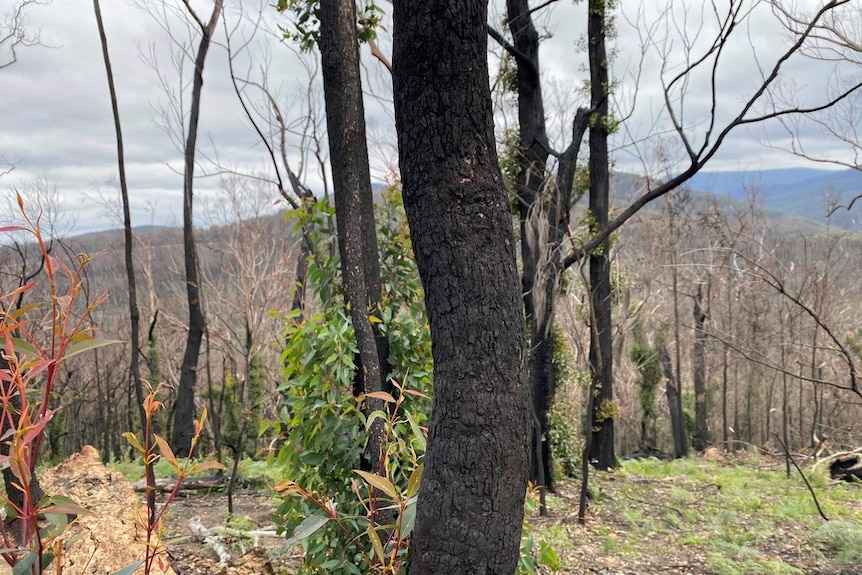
x: 249, y: 470
x: 738, y: 515
x: 843, y: 538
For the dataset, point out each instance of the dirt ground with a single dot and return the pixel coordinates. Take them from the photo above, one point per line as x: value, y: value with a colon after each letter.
x: 602, y: 547
x: 191, y: 556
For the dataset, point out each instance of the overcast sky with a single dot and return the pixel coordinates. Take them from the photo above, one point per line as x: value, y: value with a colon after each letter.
x: 56, y: 124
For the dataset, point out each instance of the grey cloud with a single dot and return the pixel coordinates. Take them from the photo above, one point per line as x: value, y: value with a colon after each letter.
x: 56, y: 116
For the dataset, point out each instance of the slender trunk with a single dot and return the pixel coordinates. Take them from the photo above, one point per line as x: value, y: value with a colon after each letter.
x: 471, y: 502
x: 128, y: 243
x: 675, y: 396
x: 601, y: 352
x: 674, y: 403
x: 184, y: 409
x: 770, y: 393
x: 701, y: 419
x: 736, y: 423
x: 724, y: 389
x: 215, y: 414
x: 785, y: 404
x: 815, y: 417
x: 354, y: 206
x: 539, y: 244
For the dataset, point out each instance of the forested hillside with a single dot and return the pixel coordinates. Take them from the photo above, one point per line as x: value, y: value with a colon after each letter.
x: 752, y: 268
x: 439, y: 266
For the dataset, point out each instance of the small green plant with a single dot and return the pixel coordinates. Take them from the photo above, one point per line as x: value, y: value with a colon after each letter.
x: 540, y: 546
x: 646, y: 360
x: 154, y: 449
x: 387, y: 502
x: 323, y: 425
x: 844, y: 538
x: 566, y: 438
x: 608, y: 409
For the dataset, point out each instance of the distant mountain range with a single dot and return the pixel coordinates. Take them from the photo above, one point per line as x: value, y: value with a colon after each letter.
x: 803, y: 192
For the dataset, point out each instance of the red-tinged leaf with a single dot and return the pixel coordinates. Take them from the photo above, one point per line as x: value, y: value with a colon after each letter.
x: 416, y: 393
x: 380, y: 483
x: 205, y: 466
x: 10, y: 229
x: 35, y: 368
x: 67, y: 509
x: 38, y: 427
x: 166, y: 451
x: 381, y: 395
x: 19, y: 470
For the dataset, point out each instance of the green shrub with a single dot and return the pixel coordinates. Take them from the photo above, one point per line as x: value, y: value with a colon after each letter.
x: 321, y: 421
x: 565, y: 412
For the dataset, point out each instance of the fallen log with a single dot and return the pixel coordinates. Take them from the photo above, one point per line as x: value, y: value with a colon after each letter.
x: 846, y: 468
x: 165, y: 485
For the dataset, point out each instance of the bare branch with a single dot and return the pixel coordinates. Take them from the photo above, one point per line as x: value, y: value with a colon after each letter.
x: 708, y: 149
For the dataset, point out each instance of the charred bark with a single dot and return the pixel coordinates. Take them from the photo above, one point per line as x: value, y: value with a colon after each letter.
x: 602, y: 452
x: 702, y: 436
x: 470, y: 507
x: 354, y: 206
x: 674, y: 403
x: 184, y: 408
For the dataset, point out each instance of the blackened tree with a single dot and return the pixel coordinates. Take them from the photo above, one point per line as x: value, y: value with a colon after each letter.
x: 354, y: 206
x: 470, y: 507
x: 183, y: 428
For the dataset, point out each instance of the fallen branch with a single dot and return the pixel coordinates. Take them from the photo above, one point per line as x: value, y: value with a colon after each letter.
x: 805, y: 479
x: 164, y: 485
x: 214, y: 536
x: 835, y: 456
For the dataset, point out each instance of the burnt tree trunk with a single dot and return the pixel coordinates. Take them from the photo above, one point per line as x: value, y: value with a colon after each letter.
x: 184, y: 408
x: 538, y: 274
x: 128, y: 242
x: 602, y: 452
x: 354, y: 206
x: 471, y: 502
x: 702, y: 436
x: 674, y: 403
x: 544, y: 207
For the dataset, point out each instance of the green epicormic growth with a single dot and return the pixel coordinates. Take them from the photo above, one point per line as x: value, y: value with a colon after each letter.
x: 304, y: 27
x: 321, y: 421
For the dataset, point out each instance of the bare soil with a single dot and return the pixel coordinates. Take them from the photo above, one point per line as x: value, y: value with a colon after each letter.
x: 637, y: 525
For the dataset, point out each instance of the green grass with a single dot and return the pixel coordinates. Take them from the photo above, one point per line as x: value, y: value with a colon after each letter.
x: 844, y: 538
x: 739, y: 517
x: 250, y: 470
